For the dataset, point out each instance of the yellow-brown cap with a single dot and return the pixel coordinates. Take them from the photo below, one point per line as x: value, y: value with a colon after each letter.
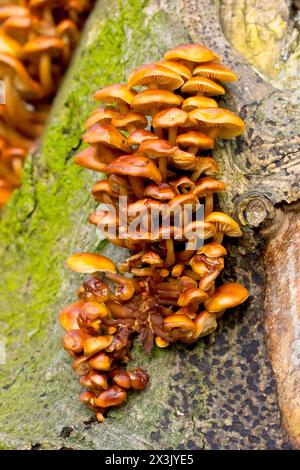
x: 215, y: 71
x: 90, y: 263
x: 157, y: 75
x: 202, y: 85
x: 225, y: 224
x: 135, y: 165
x: 226, y: 296
x: 117, y: 93
x: 151, y: 99
x: 190, y: 52
x: 226, y: 123
x: 193, y: 102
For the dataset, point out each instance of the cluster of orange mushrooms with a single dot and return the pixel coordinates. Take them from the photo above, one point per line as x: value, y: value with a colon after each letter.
x: 37, y: 38
x: 153, y: 144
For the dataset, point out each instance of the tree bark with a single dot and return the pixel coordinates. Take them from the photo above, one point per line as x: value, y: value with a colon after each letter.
x: 220, y: 393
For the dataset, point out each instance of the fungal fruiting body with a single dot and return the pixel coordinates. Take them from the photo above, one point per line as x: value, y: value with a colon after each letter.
x: 152, y: 137
x: 37, y: 38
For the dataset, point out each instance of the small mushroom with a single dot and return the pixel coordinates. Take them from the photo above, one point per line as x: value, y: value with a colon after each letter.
x: 149, y: 101
x: 177, y: 67
x: 190, y: 54
x: 42, y: 49
x: 225, y: 225
x: 170, y: 119
x: 89, y: 158
x: 135, y: 166
x: 202, y: 86
x: 206, y: 165
x: 162, y: 192
x: 94, y: 344
x: 205, y: 323
x: 215, y: 71
x: 189, y: 296
x: 194, y: 140
x: 74, y: 340
x: 219, y: 122
x: 160, y: 149
x: 155, y: 76
x: 119, y: 94
x: 113, y: 396
x: 206, y: 187
x: 101, y: 115
x: 138, y: 136
x: 130, y: 122
x: 193, y: 102
x: 100, y: 361
x: 90, y: 263
x: 226, y: 296
x: 107, y: 135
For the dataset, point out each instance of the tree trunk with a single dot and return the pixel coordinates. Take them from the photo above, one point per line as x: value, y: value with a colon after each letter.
x: 220, y: 393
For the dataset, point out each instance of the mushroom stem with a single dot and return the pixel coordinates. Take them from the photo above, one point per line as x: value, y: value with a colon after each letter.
x: 170, y: 258
x: 163, y: 169
x: 193, y: 149
x: 48, y: 16
x: 172, y: 135
x: 137, y: 186
x: 195, y: 175
x: 218, y: 238
x: 45, y: 73
x: 188, y: 64
x: 209, y: 204
x: 123, y: 108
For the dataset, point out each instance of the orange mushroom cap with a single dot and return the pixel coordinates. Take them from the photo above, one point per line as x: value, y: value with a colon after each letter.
x: 193, y: 102
x: 170, y: 117
x: 88, y: 158
x: 108, y: 135
x: 228, y: 124
x: 115, y: 94
x: 156, y: 74
x: 213, y: 250
x: 101, y: 115
x: 215, y: 72
x: 135, y: 165
x: 162, y: 192
x: 203, y: 85
x: 226, y: 296
x: 149, y: 99
x: 190, y: 52
x: 195, y: 139
x: 225, y: 224
x: 177, y: 67
x: 124, y: 120
x: 208, y: 185
x: 155, y: 148
x: 90, y: 263
x: 138, y: 136
x: 42, y: 44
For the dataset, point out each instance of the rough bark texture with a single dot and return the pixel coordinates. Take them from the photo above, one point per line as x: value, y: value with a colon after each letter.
x: 220, y: 393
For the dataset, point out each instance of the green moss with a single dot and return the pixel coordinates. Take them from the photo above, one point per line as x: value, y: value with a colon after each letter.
x: 47, y: 220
